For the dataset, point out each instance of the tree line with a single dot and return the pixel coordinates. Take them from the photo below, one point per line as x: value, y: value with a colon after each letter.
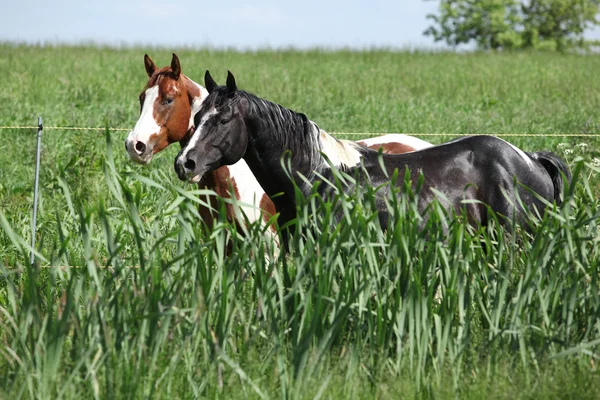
x: 514, y: 24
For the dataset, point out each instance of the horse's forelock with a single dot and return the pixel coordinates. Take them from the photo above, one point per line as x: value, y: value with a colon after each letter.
x: 158, y: 76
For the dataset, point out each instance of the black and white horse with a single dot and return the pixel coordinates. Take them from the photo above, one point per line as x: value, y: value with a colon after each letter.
x: 234, y: 124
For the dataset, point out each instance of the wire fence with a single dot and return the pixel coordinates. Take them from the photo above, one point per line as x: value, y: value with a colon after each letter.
x: 39, y: 128
x: 361, y: 134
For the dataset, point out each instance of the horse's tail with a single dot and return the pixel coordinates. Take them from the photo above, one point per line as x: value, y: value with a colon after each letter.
x: 556, y: 168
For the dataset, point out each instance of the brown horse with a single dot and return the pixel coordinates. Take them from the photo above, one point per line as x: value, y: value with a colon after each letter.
x: 168, y: 104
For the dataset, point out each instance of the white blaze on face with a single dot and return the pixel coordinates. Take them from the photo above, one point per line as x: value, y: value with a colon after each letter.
x: 145, y: 127
x: 340, y: 152
x: 198, y: 133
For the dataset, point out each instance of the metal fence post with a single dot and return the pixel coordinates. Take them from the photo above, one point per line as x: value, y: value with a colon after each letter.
x: 35, y: 189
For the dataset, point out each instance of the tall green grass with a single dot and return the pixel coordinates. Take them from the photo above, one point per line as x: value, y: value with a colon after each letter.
x: 423, y: 306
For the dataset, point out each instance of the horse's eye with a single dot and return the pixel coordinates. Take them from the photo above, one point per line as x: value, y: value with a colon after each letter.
x: 224, y: 121
x: 168, y: 101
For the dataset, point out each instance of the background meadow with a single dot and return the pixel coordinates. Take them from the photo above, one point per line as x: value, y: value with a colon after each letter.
x: 352, y: 311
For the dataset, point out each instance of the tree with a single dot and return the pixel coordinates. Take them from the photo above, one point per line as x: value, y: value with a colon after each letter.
x: 557, y: 23
x: 508, y: 24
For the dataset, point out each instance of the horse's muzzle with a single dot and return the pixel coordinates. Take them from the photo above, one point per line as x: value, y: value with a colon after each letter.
x: 138, y: 151
x: 187, y: 169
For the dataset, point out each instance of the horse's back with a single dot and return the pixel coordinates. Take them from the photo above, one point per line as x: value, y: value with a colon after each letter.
x: 395, y: 143
x: 504, y: 164
x: 483, y: 168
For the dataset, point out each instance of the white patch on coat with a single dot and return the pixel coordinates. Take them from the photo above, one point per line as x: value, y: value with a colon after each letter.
x: 521, y: 153
x: 197, y: 102
x: 340, y: 152
x: 250, y: 194
x: 415, y: 143
x: 249, y: 190
x: 145, y: 126
x: 197, y: 133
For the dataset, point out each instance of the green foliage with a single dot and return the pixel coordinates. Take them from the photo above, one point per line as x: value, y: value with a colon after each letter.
x: 351, y: 312
x: 424, y: 302
x: 512, y: 24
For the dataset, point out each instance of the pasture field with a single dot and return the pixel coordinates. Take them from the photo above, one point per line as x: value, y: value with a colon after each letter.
x: 351, y: 312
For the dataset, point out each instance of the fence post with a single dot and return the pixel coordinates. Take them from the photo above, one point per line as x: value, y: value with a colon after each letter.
x: 35, y: 190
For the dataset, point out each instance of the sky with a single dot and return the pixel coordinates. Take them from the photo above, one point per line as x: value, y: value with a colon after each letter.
x: 223, y: 23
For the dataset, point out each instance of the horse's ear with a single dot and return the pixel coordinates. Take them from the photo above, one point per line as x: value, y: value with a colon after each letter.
x: 209, y: 82
x: 149, y: 64
x: 175, y: 66
x: 231, y: 86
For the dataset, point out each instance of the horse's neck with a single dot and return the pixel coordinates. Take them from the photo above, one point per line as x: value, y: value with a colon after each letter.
x: 269, y: 173
x: 265, y: 151
x: 264, y: 157
x: 197, y: 94
x: 307, y: 146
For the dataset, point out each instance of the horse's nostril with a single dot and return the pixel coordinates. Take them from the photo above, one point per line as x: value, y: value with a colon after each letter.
x: 140, y: 147
x: 190, y: 165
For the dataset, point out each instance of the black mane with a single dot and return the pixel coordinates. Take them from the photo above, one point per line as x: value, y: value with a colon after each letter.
x: 292, y: 130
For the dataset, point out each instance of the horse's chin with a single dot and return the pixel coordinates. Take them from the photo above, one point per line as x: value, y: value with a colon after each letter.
x: 142, y: 161
x: 195, y: 179
x: 200, y: 174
